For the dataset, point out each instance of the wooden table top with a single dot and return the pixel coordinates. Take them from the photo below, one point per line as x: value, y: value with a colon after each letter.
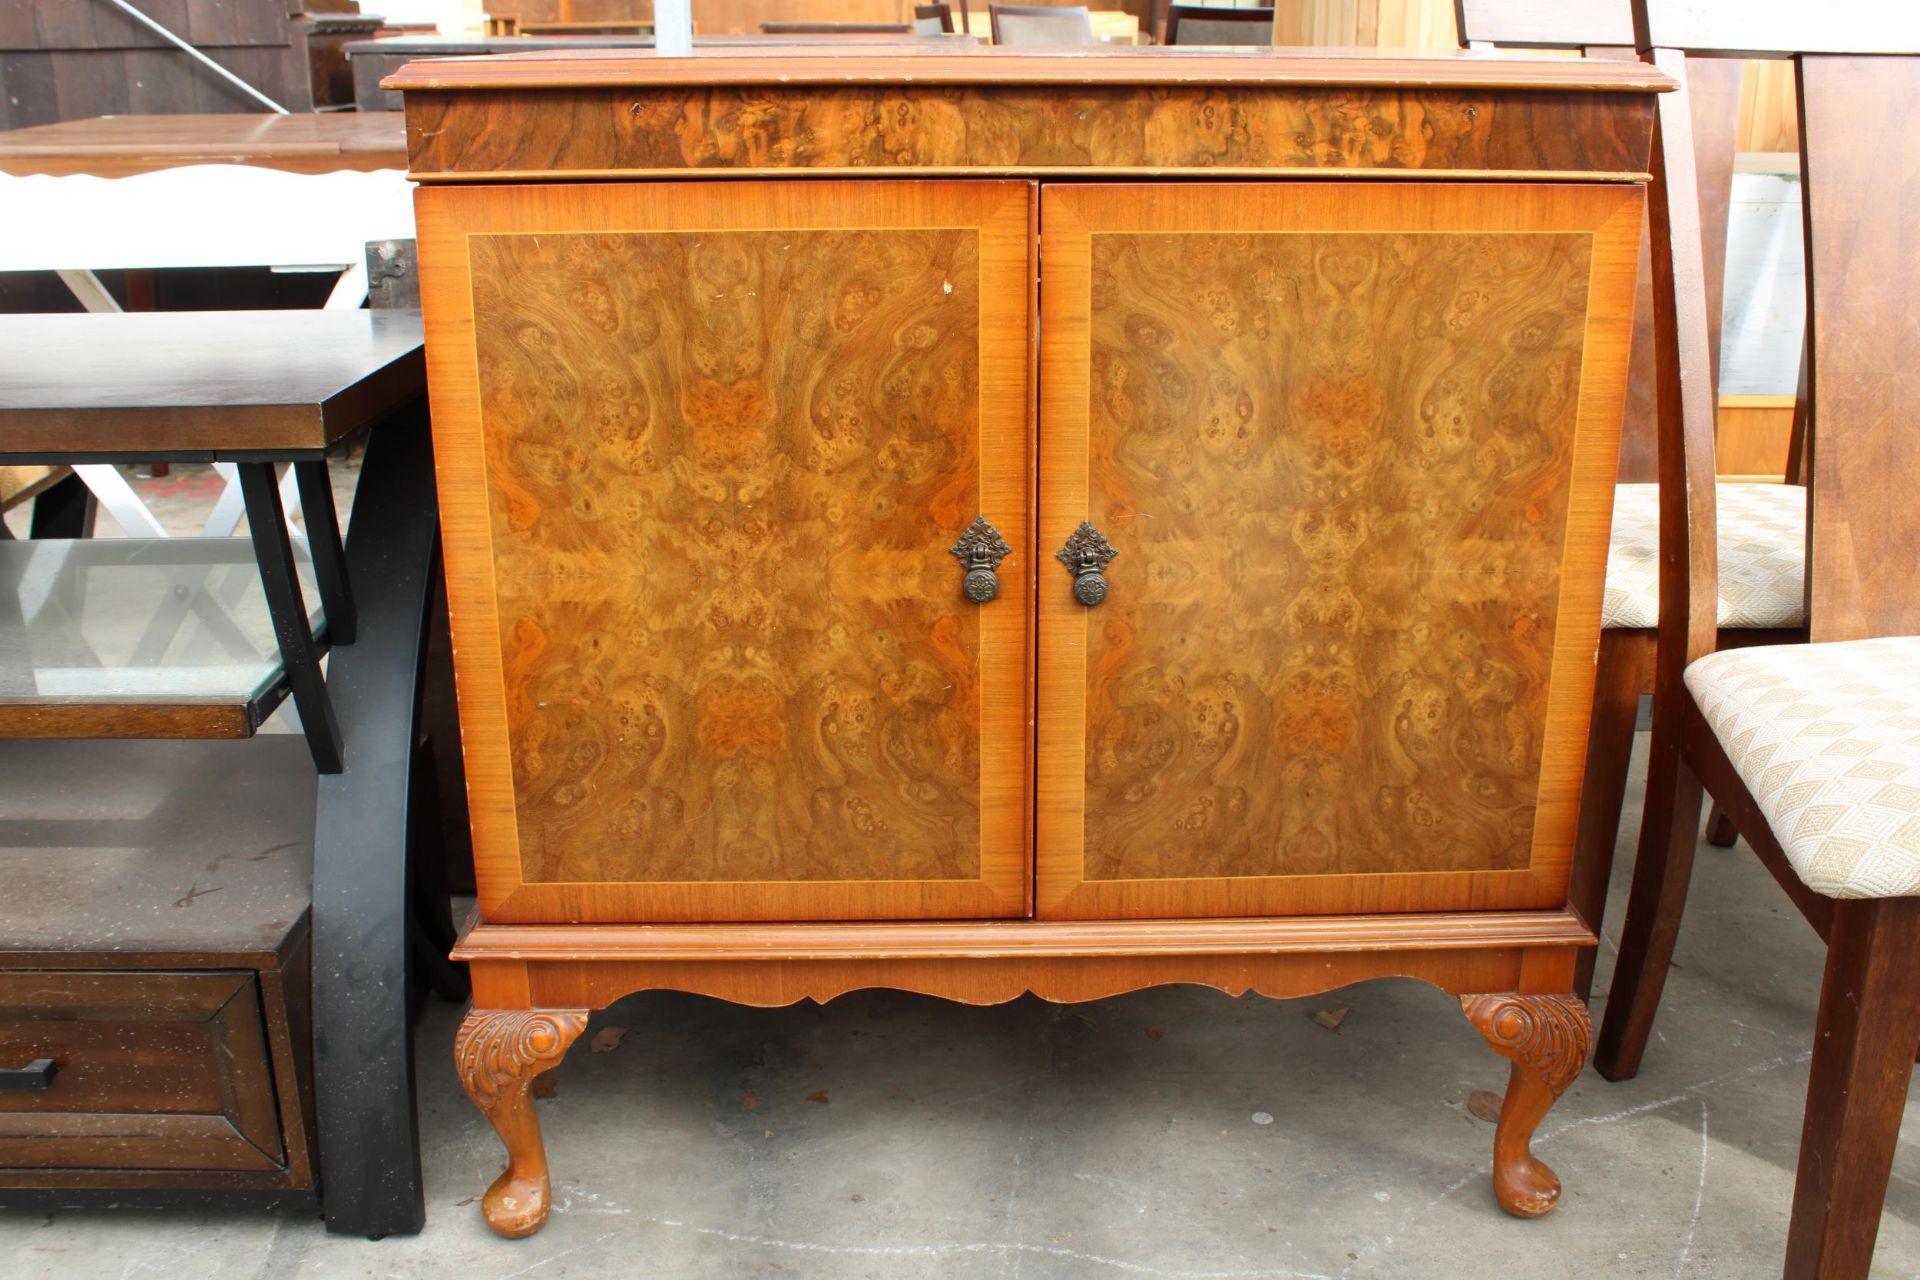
x: 200, y: 384
x: 115, y: 146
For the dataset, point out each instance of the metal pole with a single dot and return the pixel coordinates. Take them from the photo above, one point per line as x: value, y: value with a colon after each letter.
x: 127, y: 8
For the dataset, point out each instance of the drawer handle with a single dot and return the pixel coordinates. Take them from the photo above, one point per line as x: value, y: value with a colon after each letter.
x: 37, y: 1074
x: 1086, y: 556
x: 981, y: 549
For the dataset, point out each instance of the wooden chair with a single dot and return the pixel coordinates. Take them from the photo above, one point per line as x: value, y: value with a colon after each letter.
x: 1192, y: 24
x: 1762, y: 539
x: 1813, y: 750
x: 1030, y: 26
x: 933, y: 19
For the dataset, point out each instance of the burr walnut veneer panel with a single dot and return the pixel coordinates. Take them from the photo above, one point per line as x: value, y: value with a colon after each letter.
x: 871, y: 129
x: 1355, y: 448
x: 723, y: 439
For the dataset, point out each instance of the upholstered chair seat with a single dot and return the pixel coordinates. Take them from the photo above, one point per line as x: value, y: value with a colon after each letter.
x: 1763, y: 557
x: 1827, y: 738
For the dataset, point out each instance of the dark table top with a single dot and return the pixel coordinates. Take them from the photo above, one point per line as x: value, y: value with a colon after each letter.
x: 200, y: 384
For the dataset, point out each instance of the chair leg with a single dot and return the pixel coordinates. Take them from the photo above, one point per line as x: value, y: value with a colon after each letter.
x: 1862, y: 1059
x: 1663, y: 865
x: 1623, y: 674
x: 1721, y: 833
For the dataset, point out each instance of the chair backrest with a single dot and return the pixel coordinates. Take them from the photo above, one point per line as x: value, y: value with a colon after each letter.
x: 933, y: 19
x: 1862, y: 208
x: 1545, y: 24
x: 1030, y: 26
x: 1604, y: 29
x: 1862, y: 220
x: 1192, y: 24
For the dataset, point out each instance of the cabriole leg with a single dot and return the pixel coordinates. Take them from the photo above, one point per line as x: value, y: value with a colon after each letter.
x: 498, y: 1053
x: 1546, y: 1038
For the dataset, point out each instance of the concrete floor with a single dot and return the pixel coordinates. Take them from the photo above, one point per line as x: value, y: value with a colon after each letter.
x: 1168, y: 1133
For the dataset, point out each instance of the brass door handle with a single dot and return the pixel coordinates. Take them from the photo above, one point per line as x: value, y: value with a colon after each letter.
x: 981, y: 549
x: 1086, y: 556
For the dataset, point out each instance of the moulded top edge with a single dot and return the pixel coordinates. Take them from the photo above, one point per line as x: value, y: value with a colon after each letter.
x: 941, y: 63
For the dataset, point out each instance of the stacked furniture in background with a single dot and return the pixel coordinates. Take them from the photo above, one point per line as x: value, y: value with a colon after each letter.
x: 75, y: 59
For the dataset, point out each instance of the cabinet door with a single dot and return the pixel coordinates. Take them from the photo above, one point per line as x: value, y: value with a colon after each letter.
x: 1353, y: 446
x: 702, y: 450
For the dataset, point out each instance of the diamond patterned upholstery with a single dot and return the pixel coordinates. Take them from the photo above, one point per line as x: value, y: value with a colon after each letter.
x: 1827, y: 738
x: 1763, y: 558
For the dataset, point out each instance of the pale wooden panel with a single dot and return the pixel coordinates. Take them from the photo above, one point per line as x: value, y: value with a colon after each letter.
x: 1416, y: 24
x: 1383, y: 24
x: 1769, y: 115
x: 1347, y: 658
x: 1753, y: 434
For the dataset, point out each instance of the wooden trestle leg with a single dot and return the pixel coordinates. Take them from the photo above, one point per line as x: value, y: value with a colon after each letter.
x: 1546, y: 1037
x: 498, y: 1053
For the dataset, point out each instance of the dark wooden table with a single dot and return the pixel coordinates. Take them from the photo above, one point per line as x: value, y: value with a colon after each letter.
x: 116, y: 146
x: 258, y: 388
x: 154, y: 949
x: 200, y: 385
x: 250, y: 387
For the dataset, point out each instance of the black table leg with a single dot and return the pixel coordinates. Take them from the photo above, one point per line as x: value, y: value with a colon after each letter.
x: 65, y: 510
x: 273, y: 548
x: 363, y: 1046
x: 329, y: 558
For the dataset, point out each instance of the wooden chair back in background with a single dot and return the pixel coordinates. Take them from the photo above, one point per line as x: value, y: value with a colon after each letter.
x: 1854, y: 63
x: 1030, y: 26
x: 1199, y: 24
x: 933, y: 19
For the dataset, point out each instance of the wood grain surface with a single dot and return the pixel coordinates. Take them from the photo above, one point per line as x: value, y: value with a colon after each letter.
x: 733, y: 646
x: 988, y: 961
x: 154, y: 1071
x: 1358, y: 465
x: 728, y: 435
x: 1863, y: 268
x: 872, y: 129
x: 1060, y: 939
x: 946, y: 62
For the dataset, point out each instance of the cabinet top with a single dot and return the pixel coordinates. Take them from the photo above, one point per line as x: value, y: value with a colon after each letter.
x: 941, y: 63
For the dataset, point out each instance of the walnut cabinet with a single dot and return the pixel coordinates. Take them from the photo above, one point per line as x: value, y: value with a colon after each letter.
x: 997, y: 522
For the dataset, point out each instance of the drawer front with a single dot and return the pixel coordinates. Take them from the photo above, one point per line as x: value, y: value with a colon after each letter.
x: 1354, y: 448
x: 150, y: 1071
x: 702, y: 451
